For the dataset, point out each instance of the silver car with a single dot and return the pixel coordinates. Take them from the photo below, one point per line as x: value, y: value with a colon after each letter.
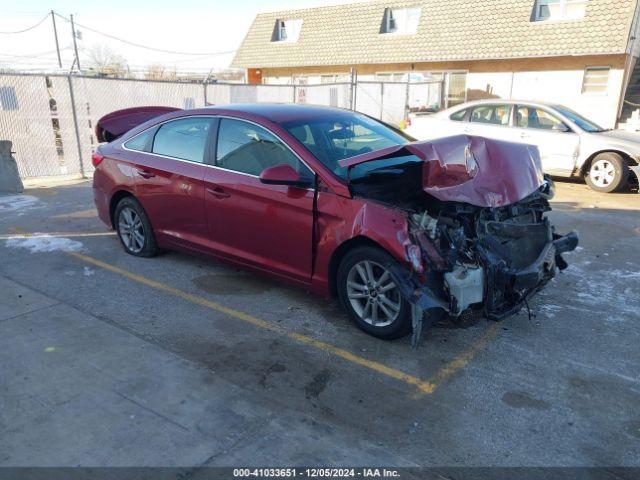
x: 569, y: 144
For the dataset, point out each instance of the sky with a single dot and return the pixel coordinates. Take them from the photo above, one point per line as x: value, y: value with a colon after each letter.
x: 190, y: 26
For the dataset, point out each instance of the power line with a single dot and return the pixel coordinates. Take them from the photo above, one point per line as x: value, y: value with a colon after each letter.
x: 113, y: 37
x: 27, y: 29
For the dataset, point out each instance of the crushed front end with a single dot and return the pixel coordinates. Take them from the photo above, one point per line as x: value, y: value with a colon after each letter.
x: 478, y: 235
x: 488, y: 259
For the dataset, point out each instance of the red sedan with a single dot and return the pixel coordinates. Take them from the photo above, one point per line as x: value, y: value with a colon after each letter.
x: 336, y: 202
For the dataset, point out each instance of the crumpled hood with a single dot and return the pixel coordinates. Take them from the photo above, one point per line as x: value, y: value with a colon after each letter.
x: 469, y: 169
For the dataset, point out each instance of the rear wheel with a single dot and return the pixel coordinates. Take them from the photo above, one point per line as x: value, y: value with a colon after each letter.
x: 370, y: 296
x: 608, y: 173
x: 134, y: 228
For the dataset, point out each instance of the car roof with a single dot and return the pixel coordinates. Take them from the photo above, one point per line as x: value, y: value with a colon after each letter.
x: 493, y: 101
x: 279, y: 112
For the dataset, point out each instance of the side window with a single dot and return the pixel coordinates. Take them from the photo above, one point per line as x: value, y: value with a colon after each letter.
x: 491, y: 114
x: 185, y: 138
x: 530, y: 117
x: 141, y: 142
x: 247, y: 148
x: 458, y: 116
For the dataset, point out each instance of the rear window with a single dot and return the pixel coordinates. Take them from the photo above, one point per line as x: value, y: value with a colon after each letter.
x: 142, y: 142
x: 185, y: 138
x: 491, y: 114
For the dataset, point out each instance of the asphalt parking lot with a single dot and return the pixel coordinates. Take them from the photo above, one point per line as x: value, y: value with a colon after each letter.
x: 111, y: 360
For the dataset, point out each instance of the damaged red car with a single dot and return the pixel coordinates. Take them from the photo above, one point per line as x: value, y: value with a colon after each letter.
x: 334, y: 201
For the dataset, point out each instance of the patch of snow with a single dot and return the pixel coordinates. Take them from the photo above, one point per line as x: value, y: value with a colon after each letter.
x: 549, y: 310
x: 45, y: 243
x: 87, y: 272
x: 13, y: 203
x: 606, y: 290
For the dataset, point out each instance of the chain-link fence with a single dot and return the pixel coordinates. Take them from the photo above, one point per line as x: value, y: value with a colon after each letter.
x: 51, y: 118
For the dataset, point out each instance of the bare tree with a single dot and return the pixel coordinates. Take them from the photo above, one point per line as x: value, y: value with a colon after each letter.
x: 160, y: 72
x: 105, y: 61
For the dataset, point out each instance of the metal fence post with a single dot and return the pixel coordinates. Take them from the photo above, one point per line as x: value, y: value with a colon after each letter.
x: 294, y: 94
x: 75, y: 125
x: 204, y: 90
x: 354, y: 88
x: 407, y: 109
x: 381, y: 100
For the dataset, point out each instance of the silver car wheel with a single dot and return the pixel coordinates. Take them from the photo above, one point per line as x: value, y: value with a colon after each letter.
x: 372, y: 294
x: 131, y: 230
x: 602, y: 173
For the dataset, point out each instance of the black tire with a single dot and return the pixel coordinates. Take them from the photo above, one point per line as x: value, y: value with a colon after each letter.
x: 619, y: 177
x: 149, y: 246
x: 401, y: 325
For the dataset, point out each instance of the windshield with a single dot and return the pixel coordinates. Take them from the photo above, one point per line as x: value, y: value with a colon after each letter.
x: 583, y: 123
x: 343, y: 135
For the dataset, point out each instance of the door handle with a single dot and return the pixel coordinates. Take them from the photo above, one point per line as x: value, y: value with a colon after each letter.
x: 145, y: 174
x: 218, y: 192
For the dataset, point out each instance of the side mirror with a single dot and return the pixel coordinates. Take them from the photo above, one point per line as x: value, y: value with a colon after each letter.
x: 283, y: 174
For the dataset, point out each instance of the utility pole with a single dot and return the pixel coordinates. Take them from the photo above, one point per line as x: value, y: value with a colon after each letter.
x: 75, y: 45
x: 55, y: 34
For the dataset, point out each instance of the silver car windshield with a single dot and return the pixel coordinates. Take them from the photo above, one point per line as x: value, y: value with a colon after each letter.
x: 583, y: 123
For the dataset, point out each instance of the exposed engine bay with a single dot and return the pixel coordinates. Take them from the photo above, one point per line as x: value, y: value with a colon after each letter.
x: 490, y: 257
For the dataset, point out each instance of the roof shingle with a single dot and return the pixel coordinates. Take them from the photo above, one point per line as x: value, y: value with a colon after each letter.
x: 449, y: 30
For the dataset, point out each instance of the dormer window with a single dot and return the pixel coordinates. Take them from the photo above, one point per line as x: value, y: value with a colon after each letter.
x: 401, y: 21
x: 287, y: 30
x: 560, y: 9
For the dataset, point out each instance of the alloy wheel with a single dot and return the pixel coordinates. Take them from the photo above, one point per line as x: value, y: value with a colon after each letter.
x: 131, y: 230
x: 372, y: 293
x: 602, y: 173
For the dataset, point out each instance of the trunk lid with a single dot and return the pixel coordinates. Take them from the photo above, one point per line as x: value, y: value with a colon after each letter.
x: 475, y: 170
x: 116, y: 124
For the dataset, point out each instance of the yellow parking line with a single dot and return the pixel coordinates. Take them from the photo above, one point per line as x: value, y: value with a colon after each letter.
x: 463, y: 359
x: 423, y: 386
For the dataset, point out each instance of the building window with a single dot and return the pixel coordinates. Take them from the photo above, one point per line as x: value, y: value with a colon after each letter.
x: 287, y: 30
x: 335, y: 78
x: 300, y: 80
x: 456, y: 88
x: 596, y: 80
x: 391, y: 77
x: 402, y: 21
x: 560, y: 9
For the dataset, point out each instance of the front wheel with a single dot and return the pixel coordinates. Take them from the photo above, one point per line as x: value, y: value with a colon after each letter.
x: 370, y: 296
x: 608, y: 173
x: 134, y: 228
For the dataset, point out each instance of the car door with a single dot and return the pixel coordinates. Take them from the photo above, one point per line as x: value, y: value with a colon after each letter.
x: 557, y: 143
x: 170, y: 178
x: 267, y: 226
x: 490, y: 121
x: 455, y: 123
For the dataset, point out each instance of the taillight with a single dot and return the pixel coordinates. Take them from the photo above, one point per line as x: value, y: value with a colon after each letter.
x: 96, y: 159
